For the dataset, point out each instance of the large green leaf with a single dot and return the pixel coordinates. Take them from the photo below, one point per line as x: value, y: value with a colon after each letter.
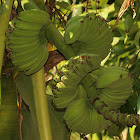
x: 59, y: 129
x: 9, y: 127
x: 29, y: 126
x: 25, y: 89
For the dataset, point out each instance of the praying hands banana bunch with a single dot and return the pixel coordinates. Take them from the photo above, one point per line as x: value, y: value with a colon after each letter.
x: 92, y: 94
x: 27, y: 41
x: 88, y: 34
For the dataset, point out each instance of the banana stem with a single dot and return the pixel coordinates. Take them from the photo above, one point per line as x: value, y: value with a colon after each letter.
x: 4, y: 20
x: 113, y: 116
x: 41, y: 105
x: 57, y: 39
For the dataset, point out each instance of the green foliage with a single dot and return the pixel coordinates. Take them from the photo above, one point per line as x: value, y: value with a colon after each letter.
x: 4, y: 6
x: 91, y: 34
x: 8, y: 110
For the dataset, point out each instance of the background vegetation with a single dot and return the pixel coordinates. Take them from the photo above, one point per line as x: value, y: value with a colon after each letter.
x: 124, y: 53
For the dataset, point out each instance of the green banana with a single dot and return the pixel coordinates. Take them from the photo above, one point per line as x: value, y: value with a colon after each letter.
x: 85, y: 35
x: 28, y: 39
x: 73, y: 31
x: 62, y: 100
x: 93, y: 37
x: 111, y: 101
x: 65, y: 88
x: 94, y: 92
x: 29, y: 64
x: 109, y: 75
x: 74, y: 118
x: 82, y: 118
x: 20, y: 40
x: 34, y: 16
x: 39, y: 63
x: 125, y: 85
x: 81, y: 92
x: 73, y: 19
x: 25, y: 54
x: 63, y: 96
x: 94, y: 60
x: 99, y: 31
x: 79, y: 71
x: 68, y: 81
x: 94, y: 74
x: 97, y: 41
x: 90, y: 29
x: 87, y: 21
x: 26, y: 34
x: 85, y: 66
x: 86, y: 24
x: 27, y: 26
x: 17, y: 48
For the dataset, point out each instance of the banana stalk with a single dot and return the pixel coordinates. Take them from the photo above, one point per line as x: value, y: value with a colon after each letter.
x: 41, y: 105
x: 4, y: 20
x: 115, y: 117
x: 57, y: 39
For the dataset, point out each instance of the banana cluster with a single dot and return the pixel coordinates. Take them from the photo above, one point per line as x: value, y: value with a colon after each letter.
x: 27, y: 41
x: 78, y: 84
x: 88, y: 34
x: 82, y: 117
x: 66, y: 82
x: 114, y: 86
x: 69, y: 93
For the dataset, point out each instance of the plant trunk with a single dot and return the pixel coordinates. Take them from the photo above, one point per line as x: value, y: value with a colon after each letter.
x: 4, y: 20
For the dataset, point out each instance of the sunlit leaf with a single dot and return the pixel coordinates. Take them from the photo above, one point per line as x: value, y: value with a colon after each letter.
x: 75, y: 136
x: 63, y: 4
x: 103, y: 3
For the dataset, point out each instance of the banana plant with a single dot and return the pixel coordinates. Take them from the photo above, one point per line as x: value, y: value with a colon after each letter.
x: 8, y: 108
x: 86, y: 90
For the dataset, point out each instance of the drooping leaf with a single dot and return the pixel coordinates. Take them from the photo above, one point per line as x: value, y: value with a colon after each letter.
x: 29, y: 126
x: 8, y: 110
x: 59, y: 129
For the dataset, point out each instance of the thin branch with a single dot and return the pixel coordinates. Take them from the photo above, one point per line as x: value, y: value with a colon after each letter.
x: 73, y: 3
x: 133, y: 59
